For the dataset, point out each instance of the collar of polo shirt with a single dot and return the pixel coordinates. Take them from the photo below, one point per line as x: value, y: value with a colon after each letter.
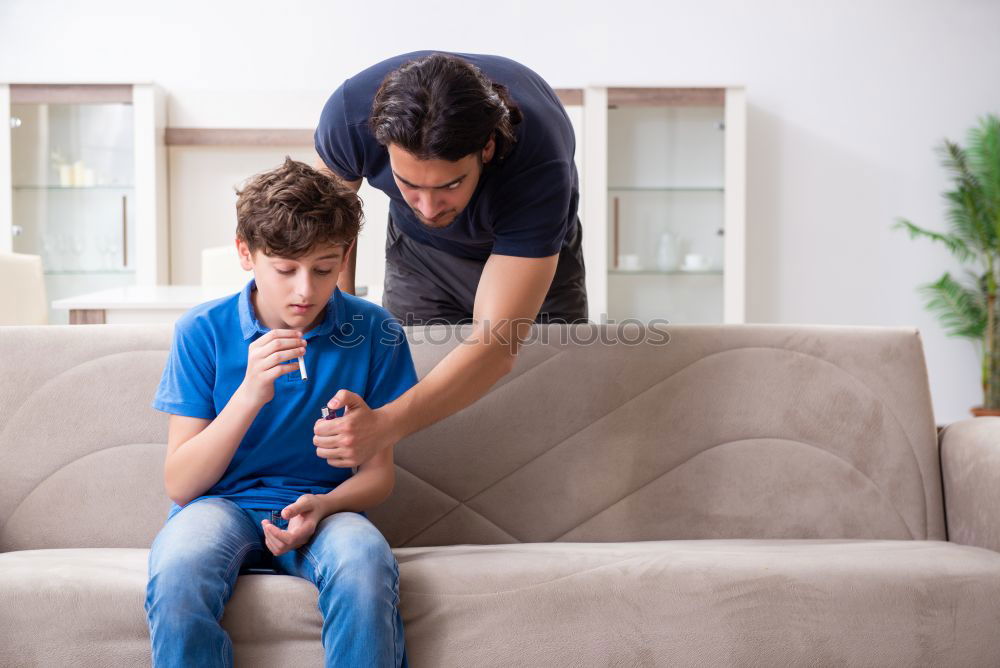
x: 333, y: 314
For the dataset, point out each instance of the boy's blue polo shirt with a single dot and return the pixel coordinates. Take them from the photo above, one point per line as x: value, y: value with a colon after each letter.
x: 358, y: 346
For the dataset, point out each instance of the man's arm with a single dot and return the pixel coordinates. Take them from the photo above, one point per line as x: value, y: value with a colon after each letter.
x: 346, y: 280
x: 510, y: 293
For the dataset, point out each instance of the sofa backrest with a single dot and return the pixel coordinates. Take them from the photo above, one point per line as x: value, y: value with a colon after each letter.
x: 601, y: 433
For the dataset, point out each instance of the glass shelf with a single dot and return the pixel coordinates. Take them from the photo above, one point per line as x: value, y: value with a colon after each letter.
x: 653, y: 189
x: 90, y: 272
x: 46, y: 188
x: 659, y: 272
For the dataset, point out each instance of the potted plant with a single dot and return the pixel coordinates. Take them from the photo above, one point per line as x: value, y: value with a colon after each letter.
x: 968, y: 308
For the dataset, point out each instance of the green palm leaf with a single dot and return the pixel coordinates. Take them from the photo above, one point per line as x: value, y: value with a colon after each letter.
x: 958, y: 246
x: 965, y: 210
x: 984, y: 163
x: 973, y: 236
x: 960, y: 309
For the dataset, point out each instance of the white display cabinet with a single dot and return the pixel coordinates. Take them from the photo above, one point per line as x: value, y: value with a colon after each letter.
x: 207, y: 162
x: 663, y: 205
x: 83, y: 184
x: 672, y: 158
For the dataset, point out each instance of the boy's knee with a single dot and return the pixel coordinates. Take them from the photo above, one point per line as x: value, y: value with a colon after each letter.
x: 352, y: 545
x: 182, y: 589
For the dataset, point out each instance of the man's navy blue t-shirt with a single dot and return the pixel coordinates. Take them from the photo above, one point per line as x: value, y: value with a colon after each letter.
x: 358, y: 346
x: 524, y: 204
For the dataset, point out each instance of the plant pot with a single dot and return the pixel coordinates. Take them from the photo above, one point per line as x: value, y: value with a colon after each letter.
x: 979, y: 411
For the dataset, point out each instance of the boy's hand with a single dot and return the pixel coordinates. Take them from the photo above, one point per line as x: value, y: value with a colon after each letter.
x: 266, y: 361
x: 302, y: 516
x: 353, y: 439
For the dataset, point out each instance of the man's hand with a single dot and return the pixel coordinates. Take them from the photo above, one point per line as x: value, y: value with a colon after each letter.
x: 266, y: 361
x: 351, y: 440
x: 302, y: 516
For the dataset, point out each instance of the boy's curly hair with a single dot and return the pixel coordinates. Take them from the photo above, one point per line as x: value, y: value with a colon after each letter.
x: 288, y: 210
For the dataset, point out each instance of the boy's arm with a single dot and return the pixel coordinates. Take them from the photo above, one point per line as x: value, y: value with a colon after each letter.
x: 370, y: 486
x: 199, y: 450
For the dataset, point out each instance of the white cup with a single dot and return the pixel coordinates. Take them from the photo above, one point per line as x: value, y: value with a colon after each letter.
x: 696, y: 262
x: 629, y: 262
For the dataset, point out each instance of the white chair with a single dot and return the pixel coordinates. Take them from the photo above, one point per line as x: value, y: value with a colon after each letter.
x: 22, y: 290
x: 220, y: 266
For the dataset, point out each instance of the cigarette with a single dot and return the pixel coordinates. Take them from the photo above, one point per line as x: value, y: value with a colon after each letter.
x: 302, y: 368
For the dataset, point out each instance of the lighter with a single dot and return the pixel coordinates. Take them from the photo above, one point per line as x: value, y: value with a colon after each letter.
x: 327, y: 414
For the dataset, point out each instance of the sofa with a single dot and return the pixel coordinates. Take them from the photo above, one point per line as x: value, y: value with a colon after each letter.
x: 683, y: 495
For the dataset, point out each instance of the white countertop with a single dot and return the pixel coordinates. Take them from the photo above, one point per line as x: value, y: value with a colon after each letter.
x: 152, y: 297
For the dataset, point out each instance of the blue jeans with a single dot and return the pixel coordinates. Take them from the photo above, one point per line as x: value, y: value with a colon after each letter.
x: 203, y: 547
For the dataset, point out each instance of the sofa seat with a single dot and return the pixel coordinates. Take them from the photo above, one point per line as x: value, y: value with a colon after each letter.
x: 680, y: 602
x: 639, y: 463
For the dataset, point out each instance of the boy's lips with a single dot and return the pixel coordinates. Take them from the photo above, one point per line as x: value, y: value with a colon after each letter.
x: 301, y: 308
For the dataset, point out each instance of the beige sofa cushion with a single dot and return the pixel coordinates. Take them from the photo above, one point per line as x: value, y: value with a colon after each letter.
x: 750, y: 431
x: 711, y: 603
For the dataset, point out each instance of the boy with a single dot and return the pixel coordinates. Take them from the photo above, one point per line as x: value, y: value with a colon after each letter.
x: 252, y: 484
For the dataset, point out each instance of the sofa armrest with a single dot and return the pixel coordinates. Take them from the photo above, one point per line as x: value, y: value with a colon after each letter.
x: 970, y: 472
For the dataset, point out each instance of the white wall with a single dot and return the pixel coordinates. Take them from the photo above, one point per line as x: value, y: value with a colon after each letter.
x: 846, y: 102
x: 203, y: 206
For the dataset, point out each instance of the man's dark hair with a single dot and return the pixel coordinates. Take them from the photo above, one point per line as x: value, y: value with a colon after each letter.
x: 443, y: 107
x: 288, y: 210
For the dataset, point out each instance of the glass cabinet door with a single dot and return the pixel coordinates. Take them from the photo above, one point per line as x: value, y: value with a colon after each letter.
x: 666, y: 211
x: 74, y: 193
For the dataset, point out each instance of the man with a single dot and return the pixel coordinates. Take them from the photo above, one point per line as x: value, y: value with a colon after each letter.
x: 476, y: 155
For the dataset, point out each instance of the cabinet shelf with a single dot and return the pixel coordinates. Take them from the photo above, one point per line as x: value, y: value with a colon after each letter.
x: 660, y: 272
x: 90, y: 272
x: 665, y: 189
x: 74, y: 188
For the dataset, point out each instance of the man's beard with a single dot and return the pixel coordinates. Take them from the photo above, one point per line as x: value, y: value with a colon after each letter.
x: 447, y: 219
